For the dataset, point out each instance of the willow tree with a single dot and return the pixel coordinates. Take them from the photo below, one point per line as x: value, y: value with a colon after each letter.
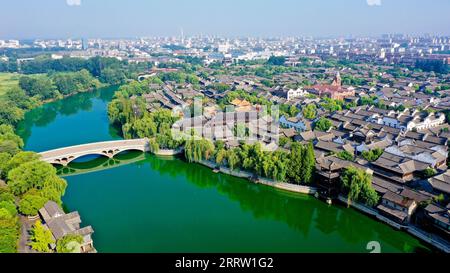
x: 153, y: 146
x: 221, y: 156
x: 308, y: 164
x: 294, y: 168
x: 233, y: 159
x: 197, y: 150
x: 358, y: 186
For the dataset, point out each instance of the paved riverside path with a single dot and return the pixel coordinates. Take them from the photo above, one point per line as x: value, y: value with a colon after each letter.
x: 64, y: 156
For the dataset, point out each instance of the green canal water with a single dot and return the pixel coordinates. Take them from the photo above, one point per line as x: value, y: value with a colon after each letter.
x: 144, y: 203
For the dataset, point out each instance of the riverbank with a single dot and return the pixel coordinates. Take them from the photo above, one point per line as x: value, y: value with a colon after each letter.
x: 261, y: 180
x: 431, y: 239
x: 168, y: 203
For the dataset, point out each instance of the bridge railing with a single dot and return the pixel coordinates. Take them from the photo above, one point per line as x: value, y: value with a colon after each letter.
x: 92, y: 147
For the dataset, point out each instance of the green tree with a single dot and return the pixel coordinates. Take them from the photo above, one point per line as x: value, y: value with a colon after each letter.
x: 198, y: 149
x: 9, y: 227
x: 323, y: 124
x: 4, y: 160
x: 372, y: 155
x: 69, y: 244
x: 273, y: 60
x: 153, y: 146
x: 345, y: 155
x: 38, y: 86
x: 41, y: 238
x: 309, y: 111
x: 308, y: 164
x: 31, y: 203
x: 221, y: 156
x: 233, y: 159
x: 10, y: 114
x: 34, y: 174
x: 358, y: 186
x: 295, y: 168
x: 19, y: 159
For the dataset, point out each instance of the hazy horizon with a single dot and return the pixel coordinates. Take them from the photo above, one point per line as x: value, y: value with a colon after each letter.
x: 59, y: 19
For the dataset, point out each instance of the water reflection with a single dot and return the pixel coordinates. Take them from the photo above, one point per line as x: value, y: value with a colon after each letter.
x: 299, y: 212
x: 46, y: 114
x: 99, y: 163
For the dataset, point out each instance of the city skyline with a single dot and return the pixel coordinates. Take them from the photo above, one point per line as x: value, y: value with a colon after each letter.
x: 138, y: 18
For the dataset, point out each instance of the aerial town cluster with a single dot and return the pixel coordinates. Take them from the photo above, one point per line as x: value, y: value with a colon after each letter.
x: 378, y: 105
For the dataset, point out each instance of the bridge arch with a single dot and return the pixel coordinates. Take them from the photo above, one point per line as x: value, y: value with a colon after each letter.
x: 64, y: 156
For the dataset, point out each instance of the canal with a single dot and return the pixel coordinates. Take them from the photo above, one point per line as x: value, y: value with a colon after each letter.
x: 143, y: 203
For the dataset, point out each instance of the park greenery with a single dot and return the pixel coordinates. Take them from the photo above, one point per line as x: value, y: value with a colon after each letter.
x: 131, y: 116
x: 9, y: 222
x: 44, y: 79
x: 30, y: 183
x: 295, y: 167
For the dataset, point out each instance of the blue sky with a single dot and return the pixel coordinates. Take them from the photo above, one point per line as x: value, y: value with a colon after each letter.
x: 132, y: 18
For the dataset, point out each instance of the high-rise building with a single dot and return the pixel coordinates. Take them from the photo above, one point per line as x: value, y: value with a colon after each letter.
x: 85, y: 43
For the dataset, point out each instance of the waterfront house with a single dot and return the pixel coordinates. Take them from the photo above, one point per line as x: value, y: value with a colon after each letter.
x: 397, y: 168
x: 441, y: 183
x: 397, y: 207
x: 439, y: 219
x: 61, y: 224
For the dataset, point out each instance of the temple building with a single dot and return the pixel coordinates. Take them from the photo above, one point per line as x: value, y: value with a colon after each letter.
x: 335, y: 90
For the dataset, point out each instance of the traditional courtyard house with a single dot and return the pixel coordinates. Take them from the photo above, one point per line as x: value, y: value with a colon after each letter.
x: 439, y: 218
x: 61, y: 224
x: 376, y: 144
x: 363, y: 135
x: 397, y: 169
x: 435, y: 159
x: 172, y: 96
x: 432, y: 120
x: 329, y: 169
x: 397, y: 207
x: 289, y: 93
x: 382, y: 186
x: 328, y: 172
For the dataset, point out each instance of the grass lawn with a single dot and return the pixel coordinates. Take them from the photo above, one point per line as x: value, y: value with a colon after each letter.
x: 7, y: 80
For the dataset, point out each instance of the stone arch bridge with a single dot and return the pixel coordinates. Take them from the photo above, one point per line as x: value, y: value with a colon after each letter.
x: 64, y: 156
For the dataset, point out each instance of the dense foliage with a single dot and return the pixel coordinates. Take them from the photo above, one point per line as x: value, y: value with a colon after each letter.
x: 323, y: 124
x: 372, y: 155
x: 41, y: 238
x: 69, y: 244
x: 30, y: 183
x: 9, y: 222
x: 357, y: 184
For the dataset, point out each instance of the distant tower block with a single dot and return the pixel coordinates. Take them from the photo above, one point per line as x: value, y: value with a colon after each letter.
x: 337, y: 80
